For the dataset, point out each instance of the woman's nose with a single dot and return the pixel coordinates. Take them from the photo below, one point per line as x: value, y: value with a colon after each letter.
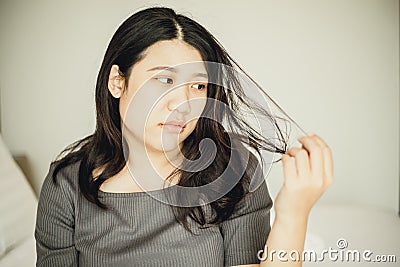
x: 179, y: 99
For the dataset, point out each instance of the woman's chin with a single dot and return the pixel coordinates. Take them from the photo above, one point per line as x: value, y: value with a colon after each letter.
x: 169, y: 147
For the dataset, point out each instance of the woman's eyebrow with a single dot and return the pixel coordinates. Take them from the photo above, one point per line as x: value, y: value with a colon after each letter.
x: 172, y: 69
x: 200, y: 74
x: 167, y: 68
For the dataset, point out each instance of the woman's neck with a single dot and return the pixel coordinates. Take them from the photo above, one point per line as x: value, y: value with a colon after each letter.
x: 150, y: 167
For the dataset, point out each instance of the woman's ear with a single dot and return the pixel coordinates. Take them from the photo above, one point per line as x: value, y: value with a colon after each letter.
x: 115, y: 82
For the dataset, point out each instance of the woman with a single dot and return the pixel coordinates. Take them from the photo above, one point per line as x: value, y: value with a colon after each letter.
x: 160, y: 105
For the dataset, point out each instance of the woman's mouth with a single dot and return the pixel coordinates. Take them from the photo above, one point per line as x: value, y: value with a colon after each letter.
x: 173, y: 126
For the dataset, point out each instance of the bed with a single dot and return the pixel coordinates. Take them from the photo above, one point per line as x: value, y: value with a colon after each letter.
x: 18, y: 204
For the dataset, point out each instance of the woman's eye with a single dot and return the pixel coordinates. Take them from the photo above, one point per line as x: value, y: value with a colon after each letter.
x: 199, y: 86
x: 165, y: 80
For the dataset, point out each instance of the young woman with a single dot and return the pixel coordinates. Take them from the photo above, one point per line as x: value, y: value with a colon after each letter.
x: 163, y: 110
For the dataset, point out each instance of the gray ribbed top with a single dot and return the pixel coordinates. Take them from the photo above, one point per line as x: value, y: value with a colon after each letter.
x: 139, y: 230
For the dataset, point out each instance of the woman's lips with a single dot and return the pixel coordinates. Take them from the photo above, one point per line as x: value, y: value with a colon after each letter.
x: 173, y: 127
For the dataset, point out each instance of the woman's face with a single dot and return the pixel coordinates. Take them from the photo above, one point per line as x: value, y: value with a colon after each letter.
x: 166, y: 94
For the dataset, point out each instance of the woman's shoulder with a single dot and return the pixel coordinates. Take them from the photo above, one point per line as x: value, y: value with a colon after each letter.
x: 61, y: 181
x: 56, y: 211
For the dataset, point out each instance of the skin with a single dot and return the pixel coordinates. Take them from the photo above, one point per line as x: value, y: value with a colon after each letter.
x: 151, y: 96
x: 308, y: 173
x: 308, y: 170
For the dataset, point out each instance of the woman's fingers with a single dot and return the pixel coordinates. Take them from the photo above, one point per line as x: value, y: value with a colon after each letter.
x: 328, y: 159
x: 289, y: 167
x: 308, y: 173
x: 313, y: 160
x: 315, y: 154
x: 302, y: 162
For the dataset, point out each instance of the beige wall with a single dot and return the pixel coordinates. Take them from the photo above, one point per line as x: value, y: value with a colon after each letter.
x: 332, y: 65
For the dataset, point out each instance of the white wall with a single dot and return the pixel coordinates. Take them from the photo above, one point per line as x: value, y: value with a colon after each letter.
x: 332, y: 65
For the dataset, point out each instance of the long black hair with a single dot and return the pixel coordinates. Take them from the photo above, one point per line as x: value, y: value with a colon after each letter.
x: 104, y: 148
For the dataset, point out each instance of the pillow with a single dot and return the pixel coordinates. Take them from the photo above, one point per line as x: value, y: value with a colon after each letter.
x: 17, y: 203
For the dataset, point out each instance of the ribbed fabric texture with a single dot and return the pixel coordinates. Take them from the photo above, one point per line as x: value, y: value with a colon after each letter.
x: 139, y: 230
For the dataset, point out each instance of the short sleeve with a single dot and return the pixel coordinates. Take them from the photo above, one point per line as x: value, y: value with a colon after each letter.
x: 54, y: 231
x: 246, y: 231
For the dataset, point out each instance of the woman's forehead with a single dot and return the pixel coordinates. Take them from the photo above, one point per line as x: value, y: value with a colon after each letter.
x: 172, y: 56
